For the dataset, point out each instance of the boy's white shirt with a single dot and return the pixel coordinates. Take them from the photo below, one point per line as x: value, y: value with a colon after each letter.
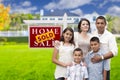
x: 76, y: 68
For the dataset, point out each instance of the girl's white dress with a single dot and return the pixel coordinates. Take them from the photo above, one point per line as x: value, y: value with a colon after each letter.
x: 65, y: 56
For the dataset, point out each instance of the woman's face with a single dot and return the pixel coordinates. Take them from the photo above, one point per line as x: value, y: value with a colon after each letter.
x: 84, y: 26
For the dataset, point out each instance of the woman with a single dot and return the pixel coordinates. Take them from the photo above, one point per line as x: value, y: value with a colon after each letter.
x: 82, y: 37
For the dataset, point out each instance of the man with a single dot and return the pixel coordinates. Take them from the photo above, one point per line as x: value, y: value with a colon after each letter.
x: 107, y: 40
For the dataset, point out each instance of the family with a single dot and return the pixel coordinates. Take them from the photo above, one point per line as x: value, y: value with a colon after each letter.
x: 82, y: 55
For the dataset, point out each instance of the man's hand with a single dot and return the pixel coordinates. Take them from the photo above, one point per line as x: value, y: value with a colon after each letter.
x: 96, y: 58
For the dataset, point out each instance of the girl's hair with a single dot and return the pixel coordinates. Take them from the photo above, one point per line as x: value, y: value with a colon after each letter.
x: 71, y: 30
x: 79, y: 24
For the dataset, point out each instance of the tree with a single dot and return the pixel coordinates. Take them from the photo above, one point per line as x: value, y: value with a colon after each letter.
x: 113, y: 23
x: 4, y: 17
x: 116, y: 25
x: 110, y: 20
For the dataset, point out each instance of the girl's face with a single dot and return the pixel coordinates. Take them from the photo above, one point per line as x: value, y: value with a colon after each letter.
x: 67, y: 36
x: 77, y: 56
x: 84, y: 26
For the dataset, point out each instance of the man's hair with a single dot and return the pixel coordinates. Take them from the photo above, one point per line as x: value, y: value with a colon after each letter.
x: 95, y: 39
x: 102, y: 17
x: 78, y: 49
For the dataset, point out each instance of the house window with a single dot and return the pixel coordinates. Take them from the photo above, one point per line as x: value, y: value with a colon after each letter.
x: 69, y: 19
x: 52, y: 18
x: 60, y: 18
x: 76, y: 18
x: 44, y: 18
x: 94, y: 18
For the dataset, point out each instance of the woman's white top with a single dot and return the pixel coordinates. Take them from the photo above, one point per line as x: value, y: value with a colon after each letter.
x: 65, y: 56
x: 82, y: 43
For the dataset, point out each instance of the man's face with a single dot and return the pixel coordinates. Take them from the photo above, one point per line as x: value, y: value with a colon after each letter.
x: 100, y: 24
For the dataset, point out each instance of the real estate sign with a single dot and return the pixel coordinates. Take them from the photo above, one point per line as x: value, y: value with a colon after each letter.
x: 43, y: 36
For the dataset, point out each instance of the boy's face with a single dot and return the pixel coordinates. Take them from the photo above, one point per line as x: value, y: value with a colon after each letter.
x: 77, y: 56
x: 94, y: 46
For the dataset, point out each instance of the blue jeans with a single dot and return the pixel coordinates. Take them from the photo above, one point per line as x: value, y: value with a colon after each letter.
x: 108, y: 75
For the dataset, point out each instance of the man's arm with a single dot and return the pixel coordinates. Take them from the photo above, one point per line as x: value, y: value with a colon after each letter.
x: 104, y: 75
x: 98, y: 58
x: 105, y: 68
x: 108, y: 55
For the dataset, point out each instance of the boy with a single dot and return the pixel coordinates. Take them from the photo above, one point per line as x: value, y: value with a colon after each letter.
x: 96, y: 71
x: 77, y: 71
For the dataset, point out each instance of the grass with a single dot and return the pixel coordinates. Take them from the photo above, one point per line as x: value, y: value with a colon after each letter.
x: 115, y: 67
x: 19, y: 62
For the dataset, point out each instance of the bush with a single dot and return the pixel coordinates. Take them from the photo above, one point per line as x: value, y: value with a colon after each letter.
x: 13, y: 40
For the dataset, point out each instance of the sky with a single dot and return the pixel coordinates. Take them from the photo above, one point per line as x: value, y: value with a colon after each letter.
x: 78, y: 7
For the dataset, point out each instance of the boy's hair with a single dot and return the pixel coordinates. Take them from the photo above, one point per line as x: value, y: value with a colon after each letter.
x: 95, y: 39
x: 78, y: 49
x: 102, y: 17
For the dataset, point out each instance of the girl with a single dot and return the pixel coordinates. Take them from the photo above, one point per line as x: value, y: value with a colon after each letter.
x: 62, y: 55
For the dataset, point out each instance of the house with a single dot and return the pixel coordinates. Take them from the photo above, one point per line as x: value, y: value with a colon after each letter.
x: 64, y: 21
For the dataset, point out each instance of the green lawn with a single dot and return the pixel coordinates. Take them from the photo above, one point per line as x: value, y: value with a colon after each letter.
x: 19, y: 62
x: 115, y: 66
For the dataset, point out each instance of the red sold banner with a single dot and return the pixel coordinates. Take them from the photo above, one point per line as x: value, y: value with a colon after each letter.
x: 41, y: 37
